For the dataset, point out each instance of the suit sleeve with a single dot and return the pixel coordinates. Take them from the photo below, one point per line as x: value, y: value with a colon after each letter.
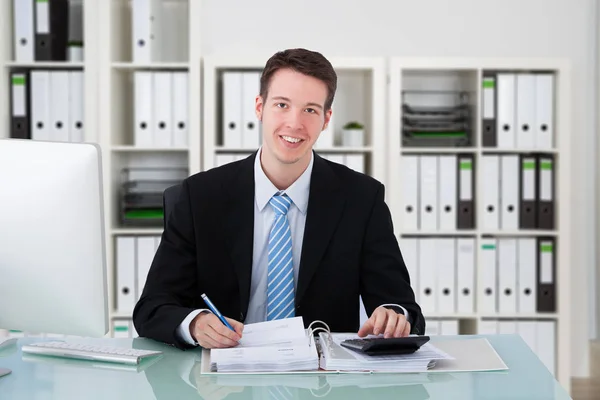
x: 384, y: 276
x: 170, y: 291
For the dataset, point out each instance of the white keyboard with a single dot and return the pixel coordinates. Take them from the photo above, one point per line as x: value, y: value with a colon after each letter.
x: 87, y: 352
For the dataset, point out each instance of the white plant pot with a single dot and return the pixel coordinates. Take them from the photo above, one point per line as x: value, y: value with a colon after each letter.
x: 353, y: 137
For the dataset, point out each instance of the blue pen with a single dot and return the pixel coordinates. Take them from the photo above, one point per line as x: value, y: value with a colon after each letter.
x: 215, y: 311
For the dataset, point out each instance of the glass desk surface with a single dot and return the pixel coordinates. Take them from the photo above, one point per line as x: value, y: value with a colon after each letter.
x: 176, y: 375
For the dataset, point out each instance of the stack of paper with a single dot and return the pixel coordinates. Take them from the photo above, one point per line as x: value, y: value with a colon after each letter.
x: 336, y: 357
x: 274, y: 346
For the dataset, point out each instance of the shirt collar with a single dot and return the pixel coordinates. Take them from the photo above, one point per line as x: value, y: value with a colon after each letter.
x: 298, y: 191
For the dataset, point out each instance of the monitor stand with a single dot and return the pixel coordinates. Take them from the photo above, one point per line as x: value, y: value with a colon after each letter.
x: 4, y: 371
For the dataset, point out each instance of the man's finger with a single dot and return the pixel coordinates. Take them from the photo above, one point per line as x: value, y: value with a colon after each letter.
x: 222, y: 340
x: 406, y: 329
x: 206, y: 341
x: 390, y: 326
x: 400, y: 326
x: 379, y: 323
x: 237, y: 325
x: 367, y: 328
x: 223, y: 330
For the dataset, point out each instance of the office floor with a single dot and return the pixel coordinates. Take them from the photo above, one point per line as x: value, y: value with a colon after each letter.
x: 589, y: 389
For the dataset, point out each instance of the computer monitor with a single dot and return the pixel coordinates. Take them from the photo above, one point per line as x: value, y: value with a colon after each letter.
x: 52, y: 253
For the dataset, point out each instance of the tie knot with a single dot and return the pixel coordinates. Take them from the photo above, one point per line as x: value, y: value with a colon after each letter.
x: 280, y: 203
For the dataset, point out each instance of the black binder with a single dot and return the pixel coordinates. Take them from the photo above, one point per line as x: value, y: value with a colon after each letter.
x: 51, y: 30
x: 488, y: 110
x: 545, y: 191
x: 546, y: 275
x: 465, y: 214
x: 20, y: 105
x: 528, y: 192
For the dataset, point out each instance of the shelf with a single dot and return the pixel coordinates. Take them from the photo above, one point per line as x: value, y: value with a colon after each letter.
x: 439, y: 233
x: 45, y: 64
x: 520, y: 233
x: 450, y: 316
x: 137, y: 231
x: 134, y: 149
x: 493, y: 150
x: 151, y: 66
x: 520, y: 316
x: 436, y: 150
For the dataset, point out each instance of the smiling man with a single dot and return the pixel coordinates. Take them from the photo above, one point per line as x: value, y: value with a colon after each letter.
x: 282, y: 233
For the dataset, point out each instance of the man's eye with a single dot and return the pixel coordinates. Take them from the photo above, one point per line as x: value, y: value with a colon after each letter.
x: 311, y: 110
x: 281, y: 105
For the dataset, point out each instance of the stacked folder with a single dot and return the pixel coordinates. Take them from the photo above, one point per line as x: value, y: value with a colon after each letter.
x: 42, y: 30
x: 518, y: 192
x: 438, y: 192
x: 436, y: 119
x: 142, y: 197
x: 161, y: 109
x: 47, y: 105
x: 518, y: 110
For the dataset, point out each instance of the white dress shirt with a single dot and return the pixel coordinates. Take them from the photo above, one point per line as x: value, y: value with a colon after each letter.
x: 264, y: 216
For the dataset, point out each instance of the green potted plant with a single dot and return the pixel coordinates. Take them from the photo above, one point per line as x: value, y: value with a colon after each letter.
x: 353, y: 133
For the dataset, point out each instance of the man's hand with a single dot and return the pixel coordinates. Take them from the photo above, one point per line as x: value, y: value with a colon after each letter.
x: 386, y: 321
x: 210, y: 332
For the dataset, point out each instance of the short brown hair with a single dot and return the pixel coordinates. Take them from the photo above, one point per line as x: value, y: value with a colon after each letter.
x: 306, y: 62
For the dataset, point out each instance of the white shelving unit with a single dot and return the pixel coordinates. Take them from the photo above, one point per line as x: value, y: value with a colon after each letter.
x: 466, y: 74
x: 369, y: 90
x: 361, y: 91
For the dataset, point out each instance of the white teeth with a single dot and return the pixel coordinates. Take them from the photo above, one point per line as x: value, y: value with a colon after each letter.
x: 291, y: 139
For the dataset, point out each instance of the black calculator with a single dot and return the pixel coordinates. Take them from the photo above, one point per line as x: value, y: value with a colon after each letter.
x: 386, y: 346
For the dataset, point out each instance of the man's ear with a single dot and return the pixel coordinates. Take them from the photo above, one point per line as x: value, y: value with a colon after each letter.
x: 328, y: 114
x: 258, y: 107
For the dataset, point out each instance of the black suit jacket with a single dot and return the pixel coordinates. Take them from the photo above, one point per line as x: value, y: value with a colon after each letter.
x: 349, y: 249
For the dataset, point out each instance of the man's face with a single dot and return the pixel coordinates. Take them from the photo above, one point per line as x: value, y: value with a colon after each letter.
x: 292, y: 115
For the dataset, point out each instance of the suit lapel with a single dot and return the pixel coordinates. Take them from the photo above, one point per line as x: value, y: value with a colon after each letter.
x: 325, y: 206
x: 239, y: 226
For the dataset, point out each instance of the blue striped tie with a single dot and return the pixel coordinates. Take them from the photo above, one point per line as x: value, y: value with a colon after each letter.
x: 280, y: 280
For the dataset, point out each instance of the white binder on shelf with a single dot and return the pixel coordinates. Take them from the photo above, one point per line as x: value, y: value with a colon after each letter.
x: 465, y: 275
x: 505, y: 129
x: 145, y: 250
x: 410, y: 193
x: 250, y: 123
x: 222, y: 159
x: 527, y: 278
x: 449, y: 327
x: 507, y: 275
x: 143, y: 129
x: 179, y: 109
x: 126, y: 275
x: 145, y: 25
x: 488, y: 289
x: 40, y: 105
x: 488, y: 327
x: 428, y: 185
x: 355, y: 162
x: 23, y: 22
x: 161, y: 102
x: 76, y: 106
x: 432, y: 327
x: 59, y: 106
x: 232, y: 109
x: 525, y: 121
x: 507, y: 327
x: 544, y: 111
x: 527, y: 331
x: 409, y: 248
x: 509, y: 192
x: 427, y: 275
x: 121, y: 329
x: 490, y: 170
x: 446, y: 275
x: 546, y: 344
x: 448, y: 169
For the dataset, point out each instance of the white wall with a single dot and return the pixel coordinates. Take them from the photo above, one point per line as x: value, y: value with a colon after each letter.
x: 508, y: 28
